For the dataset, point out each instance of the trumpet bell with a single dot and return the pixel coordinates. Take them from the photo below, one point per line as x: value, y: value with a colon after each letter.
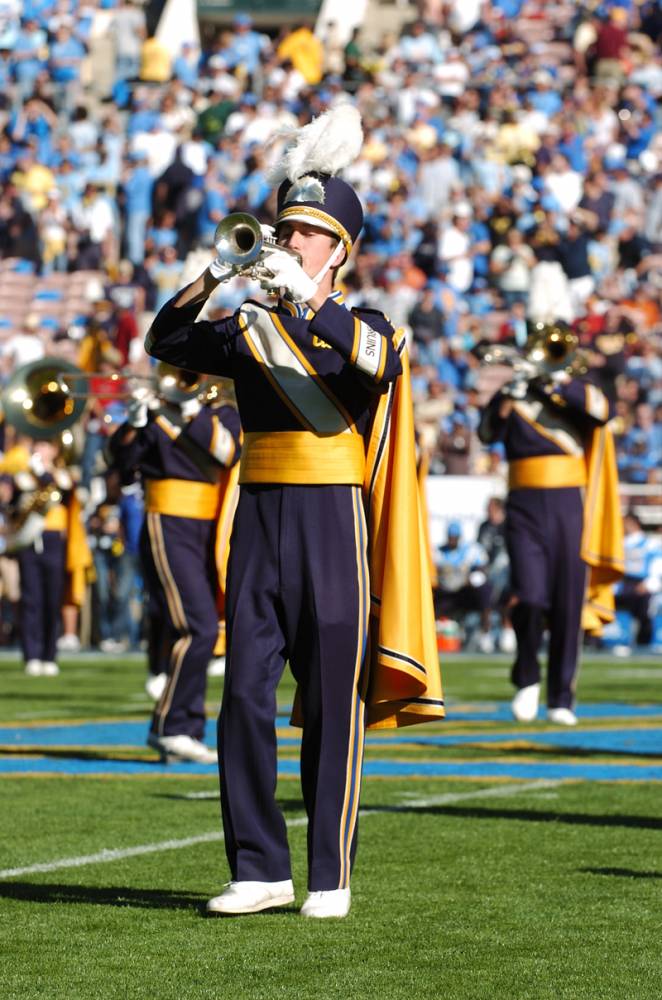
x: 36, y: 403
x: 238, y: 239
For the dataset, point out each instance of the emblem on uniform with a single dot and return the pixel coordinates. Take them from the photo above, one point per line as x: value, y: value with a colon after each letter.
x: 318, y: 342
x: 306, y: 189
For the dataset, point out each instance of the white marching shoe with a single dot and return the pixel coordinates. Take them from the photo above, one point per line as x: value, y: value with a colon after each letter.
x: 327, y: 903
x: 485, y: 643
x: 182, y: 747
x: 33, y: 668
x: 69, y: 643
x: 507, y: 640
x: 216, y: 667
x: 524, y: 705
x: 49, y: 668
x: 155, y: 685
x: 251, y: 897
x: 561, y: 716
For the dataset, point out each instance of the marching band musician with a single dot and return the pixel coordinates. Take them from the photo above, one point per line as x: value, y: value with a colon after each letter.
x: 48, y: 540
x: 328, y: 524
x: 184, y: 451
x: 563, y: 525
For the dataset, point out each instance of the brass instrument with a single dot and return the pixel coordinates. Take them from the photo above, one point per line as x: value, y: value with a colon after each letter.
x: 35, y: 402
x: 550, y: 349
x: 27, y: 525
x: 241, y: 244
x: 169, y: 383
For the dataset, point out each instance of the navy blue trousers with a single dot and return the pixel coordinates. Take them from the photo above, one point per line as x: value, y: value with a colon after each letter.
x: 42, y: 575
x: 178, y: 563
x: 543, y: 535
x: 297, y: 590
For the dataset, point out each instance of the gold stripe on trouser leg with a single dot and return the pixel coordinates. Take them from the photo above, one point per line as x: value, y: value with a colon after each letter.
x: 357, y: 722
x: 176, y: 609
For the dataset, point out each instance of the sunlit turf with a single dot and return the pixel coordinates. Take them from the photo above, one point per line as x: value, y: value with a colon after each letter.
x: 462, y: 890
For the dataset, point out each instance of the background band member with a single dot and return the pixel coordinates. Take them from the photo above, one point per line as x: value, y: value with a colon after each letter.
x: 548, y: 424
x: 182, y: 450
x: 316, y: 384
x: 48, y: 541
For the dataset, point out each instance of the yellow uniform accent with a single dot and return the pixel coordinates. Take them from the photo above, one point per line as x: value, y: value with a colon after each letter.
x: 182, y: 498
x: 547, y: 472
x: 302, y: 457
x: 405, y: 682
x: 602, y: 538
x: 56, y: 518
x: 80, y: 564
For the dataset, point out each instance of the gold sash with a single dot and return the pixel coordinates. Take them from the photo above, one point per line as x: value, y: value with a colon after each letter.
x: 302, y: 457
x: 182, y: 498
x: 56, y: 518
x: 547, y: 472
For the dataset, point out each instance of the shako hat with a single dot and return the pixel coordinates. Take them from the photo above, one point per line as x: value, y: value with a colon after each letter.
x: 309, y: 189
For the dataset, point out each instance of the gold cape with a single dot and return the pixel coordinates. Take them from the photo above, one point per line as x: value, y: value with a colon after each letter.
x: 602, y: 537
x: 405, y: 680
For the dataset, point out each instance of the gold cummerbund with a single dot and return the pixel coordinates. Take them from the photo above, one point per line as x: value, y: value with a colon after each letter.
x: 547, y: 472
x: 56, y: 518
x: 302, y: 458
x: 182, y: 498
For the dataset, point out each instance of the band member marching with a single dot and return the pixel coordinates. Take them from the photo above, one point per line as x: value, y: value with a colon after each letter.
x: 184, y: 450
x: 47, y: 538
x: 563, y: 524
x: 328, y: 509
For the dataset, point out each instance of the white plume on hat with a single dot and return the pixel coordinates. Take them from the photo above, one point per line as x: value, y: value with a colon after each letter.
x: 326, y: 145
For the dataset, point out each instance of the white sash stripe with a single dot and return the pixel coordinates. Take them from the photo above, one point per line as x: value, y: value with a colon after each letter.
x: 290, y: 374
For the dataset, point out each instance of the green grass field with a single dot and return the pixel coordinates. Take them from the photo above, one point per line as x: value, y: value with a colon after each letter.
x: 477, y: 883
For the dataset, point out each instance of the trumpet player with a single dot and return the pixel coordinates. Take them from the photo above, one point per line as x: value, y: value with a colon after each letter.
x: 183, y: 449
x: 316, y: 387
x: 47, y: 538
x: 563, y: 530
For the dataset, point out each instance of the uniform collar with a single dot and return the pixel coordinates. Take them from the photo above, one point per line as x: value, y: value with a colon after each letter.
x: 301, y: 311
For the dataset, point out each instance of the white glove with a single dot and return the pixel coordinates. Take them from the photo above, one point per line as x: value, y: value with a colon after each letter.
x: 137, y: 411
x: 220, y: 270
x: 190, y: 408
x: 287, y: 273
x: 516, y: 389
x: 268, y: 232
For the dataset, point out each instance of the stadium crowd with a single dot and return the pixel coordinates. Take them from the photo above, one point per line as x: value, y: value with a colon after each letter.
x: 511, y: 173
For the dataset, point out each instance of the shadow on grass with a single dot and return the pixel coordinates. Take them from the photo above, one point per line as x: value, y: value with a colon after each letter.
x: 119, y: 896
x: 77, y: 754
x: 620, y: 872
x: 528, y: 816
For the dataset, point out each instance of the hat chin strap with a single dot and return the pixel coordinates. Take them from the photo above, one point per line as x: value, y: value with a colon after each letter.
x: 333, y: 259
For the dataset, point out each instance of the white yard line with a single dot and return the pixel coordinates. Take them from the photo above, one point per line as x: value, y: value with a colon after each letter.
x: 104, y: 856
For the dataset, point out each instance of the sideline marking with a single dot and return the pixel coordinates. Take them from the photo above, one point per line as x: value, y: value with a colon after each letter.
x: 106, y: 855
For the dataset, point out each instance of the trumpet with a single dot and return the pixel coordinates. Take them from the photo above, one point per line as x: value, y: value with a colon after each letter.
x: 169, y: 383
x: 550, y: 349
x: 241, y: 245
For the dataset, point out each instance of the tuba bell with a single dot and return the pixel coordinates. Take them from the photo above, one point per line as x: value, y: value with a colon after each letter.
x: 240, y: 244
x: 36, y: 403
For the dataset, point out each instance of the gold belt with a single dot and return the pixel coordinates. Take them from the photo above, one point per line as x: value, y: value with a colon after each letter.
x: 182, y: 498
x: 547, y: 472
x: 56, y: 518
x: 302, y: 458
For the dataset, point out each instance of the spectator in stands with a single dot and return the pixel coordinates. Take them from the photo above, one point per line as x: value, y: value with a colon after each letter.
x: 492, y: 537
x: 462, y: 582
x: 643, y: 577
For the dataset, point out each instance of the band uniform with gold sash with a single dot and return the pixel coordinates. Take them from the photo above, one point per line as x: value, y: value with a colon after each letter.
x: 560, y: 465
x: 186, y: 455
